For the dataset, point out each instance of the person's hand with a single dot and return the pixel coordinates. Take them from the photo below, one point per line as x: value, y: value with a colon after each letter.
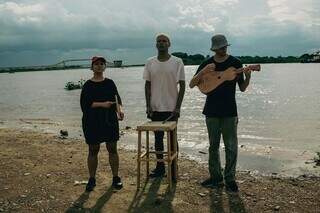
x: 208, y: 68
x: 149, y: 112
x: 121, y: 115
x: 247, y: 73
x: 108, y: 104
x: 176, y: 114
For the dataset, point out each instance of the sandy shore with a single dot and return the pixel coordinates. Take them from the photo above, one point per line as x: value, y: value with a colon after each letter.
x: 40, y: 173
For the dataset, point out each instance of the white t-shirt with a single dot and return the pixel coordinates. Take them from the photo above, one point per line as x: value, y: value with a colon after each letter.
x: 164, y: 78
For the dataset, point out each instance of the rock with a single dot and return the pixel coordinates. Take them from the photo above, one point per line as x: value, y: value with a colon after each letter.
x: 64, y: 133
x: 26, y: 174
x: 52, y: 197
x: 83, y: 182
x: 292, y: 202
x: 241, y: 146
x: 201, y: 152
x: 128, y: 127
x: 248, y: 194
x: 277, y: 208
x: 23, y: 196
x: 48, y: 175
x: 201, y: 194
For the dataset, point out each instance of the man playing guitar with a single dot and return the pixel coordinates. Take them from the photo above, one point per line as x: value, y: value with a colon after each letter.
x: 221, y: 111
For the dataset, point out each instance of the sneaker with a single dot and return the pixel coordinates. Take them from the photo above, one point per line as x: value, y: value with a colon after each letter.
x: 91, y: 184
x: 232, y: 186
x: 116, y: 183
x: 157, y: 172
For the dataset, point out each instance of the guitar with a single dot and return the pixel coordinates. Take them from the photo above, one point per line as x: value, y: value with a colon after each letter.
x: 211, y: 80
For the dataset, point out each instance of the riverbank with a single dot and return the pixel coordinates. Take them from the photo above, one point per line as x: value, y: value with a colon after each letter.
x: 44, y: 173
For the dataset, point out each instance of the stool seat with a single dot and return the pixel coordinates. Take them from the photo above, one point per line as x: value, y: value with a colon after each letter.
x: 170, y: 156
x: 157, y: 126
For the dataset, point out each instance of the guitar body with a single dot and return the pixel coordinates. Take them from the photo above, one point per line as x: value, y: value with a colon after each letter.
x: 213, y: 79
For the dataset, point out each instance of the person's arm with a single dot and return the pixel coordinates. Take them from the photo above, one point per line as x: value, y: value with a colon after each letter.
x: 147, y: 92
x: 195, y: 80
x: 243, y: 83
x: 182, y: 89
x: 85, y: 99
x: 104, y: 104
x: 243, y: 86
x: 119, y: 107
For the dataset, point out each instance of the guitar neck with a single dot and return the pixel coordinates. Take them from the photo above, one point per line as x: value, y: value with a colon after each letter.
x: 249, y: 67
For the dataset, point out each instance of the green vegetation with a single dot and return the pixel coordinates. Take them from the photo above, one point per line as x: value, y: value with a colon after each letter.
x: 74, y: 85
x: 317, y: 159
x: 198, y: 58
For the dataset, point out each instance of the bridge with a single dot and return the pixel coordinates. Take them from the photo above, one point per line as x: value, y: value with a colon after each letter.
x: 60, y: 65
x: 63, y: 63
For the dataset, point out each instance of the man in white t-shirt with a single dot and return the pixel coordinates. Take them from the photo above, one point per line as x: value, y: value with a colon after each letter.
x: 163, y: 73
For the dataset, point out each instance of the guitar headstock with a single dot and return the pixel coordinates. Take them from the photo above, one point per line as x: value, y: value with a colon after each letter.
x: 253, y: 67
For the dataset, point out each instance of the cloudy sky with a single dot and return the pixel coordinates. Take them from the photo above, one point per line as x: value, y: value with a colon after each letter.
x: 34, y: 32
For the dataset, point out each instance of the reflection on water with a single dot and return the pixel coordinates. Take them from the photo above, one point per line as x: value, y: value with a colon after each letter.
x: 280, y: 109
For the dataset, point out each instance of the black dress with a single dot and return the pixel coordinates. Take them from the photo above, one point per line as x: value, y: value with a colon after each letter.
x: 99, y: 124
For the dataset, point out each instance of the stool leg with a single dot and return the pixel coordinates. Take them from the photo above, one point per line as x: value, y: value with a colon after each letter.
x: 139, y: 160
x: 169, y: 159
x: 147, y: 150
x: 175, y: 150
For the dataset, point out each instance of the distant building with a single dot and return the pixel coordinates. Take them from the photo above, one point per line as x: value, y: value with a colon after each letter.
x: 316, y: 56
x: 117, y: 63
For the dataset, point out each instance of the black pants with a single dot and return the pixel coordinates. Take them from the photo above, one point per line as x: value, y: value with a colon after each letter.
x: 158, y: 135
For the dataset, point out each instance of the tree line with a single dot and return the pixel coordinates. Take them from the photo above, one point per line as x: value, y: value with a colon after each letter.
x: 198, y: 58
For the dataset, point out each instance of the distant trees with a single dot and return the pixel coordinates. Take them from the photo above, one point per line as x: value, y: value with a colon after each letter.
x: 190, y: 59
x: 198, y: 58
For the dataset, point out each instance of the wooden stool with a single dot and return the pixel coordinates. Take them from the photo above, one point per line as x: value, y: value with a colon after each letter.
x: 171, y: 155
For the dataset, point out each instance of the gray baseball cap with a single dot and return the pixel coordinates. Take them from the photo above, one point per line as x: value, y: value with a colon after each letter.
x: 218, y: 41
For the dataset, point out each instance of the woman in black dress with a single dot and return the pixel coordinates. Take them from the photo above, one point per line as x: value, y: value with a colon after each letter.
x: 100, y: 120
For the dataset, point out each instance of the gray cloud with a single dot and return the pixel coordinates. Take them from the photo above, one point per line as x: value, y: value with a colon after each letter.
x: 40, y: 32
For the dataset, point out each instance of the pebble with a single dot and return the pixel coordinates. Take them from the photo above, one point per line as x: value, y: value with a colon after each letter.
x: 202, y: 194
x: 277, y: 208
x: 26, y: 174
x: 201, y: 152
x: 83, y: 182
x: 64, y: 132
